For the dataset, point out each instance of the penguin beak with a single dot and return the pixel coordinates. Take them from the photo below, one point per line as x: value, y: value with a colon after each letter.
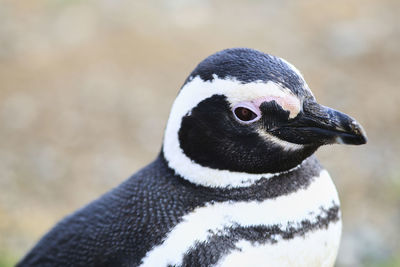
x: 320, y: 125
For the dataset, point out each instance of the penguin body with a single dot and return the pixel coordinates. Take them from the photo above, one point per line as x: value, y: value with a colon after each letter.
x: 235, y: 183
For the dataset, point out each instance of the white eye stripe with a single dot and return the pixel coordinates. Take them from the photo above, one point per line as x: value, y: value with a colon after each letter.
x: 255, y: 90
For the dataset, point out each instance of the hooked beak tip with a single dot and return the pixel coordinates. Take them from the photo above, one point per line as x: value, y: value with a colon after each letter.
x: 356, y: 135
x: 350, y: 133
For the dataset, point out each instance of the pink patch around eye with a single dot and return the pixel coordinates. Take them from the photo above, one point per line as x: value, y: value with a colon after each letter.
x: 247, y: 105
x: 289, y: 103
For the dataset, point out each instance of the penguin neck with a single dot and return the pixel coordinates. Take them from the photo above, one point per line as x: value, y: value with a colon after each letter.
x: 225, y: 179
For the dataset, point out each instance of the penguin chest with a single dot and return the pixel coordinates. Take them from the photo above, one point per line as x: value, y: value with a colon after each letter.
x: 315, y: 248
x: 299, y: 229
x: 308, y: 233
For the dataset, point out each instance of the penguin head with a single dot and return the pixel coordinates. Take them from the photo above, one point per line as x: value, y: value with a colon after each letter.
x: 242, y: 115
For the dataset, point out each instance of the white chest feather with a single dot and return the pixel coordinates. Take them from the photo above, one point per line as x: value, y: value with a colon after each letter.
x: 318, y: 248
x: 315, y: 247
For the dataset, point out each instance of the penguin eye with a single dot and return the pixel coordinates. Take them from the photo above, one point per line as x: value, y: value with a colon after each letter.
x: 245, y: 114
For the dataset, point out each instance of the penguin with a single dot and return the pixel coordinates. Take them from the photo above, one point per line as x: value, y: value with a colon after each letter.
x: 236, y: 182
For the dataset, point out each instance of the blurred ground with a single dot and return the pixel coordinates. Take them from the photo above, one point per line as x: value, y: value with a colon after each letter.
x: 86, y: 88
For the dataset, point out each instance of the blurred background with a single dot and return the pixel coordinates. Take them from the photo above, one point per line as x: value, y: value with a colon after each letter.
x: 86, y: 88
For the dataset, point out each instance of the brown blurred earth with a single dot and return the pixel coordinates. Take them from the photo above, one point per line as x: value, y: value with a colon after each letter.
x: 86, y: 88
